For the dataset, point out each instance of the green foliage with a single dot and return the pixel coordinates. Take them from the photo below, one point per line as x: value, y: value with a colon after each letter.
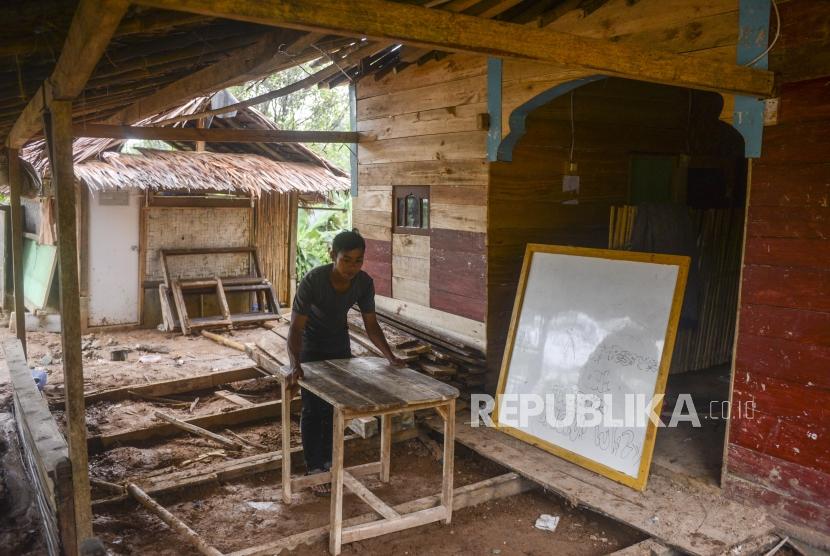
x: 316, y: 110
x: 316, y: 229
x: 310, y: 109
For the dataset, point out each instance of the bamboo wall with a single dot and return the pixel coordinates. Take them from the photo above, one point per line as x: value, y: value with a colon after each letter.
x: 275, y: 234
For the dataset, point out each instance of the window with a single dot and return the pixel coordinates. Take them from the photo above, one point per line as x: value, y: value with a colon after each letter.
x: 411, y: 210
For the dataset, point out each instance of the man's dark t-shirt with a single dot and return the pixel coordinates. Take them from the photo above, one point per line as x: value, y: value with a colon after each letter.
x: 327, y: 330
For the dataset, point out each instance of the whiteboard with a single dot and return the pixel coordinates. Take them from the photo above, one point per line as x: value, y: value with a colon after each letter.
x: 591, y: 322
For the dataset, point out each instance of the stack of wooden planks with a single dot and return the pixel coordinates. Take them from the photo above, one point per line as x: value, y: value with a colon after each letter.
x: 442, y: 358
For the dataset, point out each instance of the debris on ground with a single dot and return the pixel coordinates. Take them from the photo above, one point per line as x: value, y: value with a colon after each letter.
x: 547, y: 522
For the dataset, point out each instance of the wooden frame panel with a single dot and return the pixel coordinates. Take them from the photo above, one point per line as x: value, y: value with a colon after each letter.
x: 638, y: 483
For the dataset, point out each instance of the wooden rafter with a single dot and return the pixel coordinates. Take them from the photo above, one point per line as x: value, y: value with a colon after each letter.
x: 431, y: 28
x: 214, y: 135
x: 265, y: 56
x: 93, y: 25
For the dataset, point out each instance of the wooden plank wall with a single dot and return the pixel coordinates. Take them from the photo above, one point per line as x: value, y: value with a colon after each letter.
x: 423, y: 129
x: 779, y: 456
x: 613, y: 119
x: 706, y: 28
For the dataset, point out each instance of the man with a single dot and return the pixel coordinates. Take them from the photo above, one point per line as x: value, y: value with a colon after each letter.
x: 319, y: 331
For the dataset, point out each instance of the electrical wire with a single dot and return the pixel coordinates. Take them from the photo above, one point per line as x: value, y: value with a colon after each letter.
x: 573, y: 132
x: 774, y: 40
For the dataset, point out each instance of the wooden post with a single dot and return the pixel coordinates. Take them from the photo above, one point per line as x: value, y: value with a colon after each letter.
x: 449, y: 459
x: 59, y: 137
x: 336, y: 516
x: 385, y: 447
x: 15, y: 187
x: 286, y: 440
x: 200, y: 145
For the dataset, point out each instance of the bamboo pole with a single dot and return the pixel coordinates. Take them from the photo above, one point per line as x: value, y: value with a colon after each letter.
x: 219, y: 339
x: 58, y: 124
x: 172, y: 521
x: 227, y: 443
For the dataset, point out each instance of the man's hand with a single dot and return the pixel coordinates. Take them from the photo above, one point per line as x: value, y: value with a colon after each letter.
x: 395, y: 361
x: 293, y: 379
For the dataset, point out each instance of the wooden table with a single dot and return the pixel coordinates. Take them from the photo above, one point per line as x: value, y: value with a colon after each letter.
x: 367, y: 387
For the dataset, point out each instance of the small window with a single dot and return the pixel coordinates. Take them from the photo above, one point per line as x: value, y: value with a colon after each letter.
x: 411, y: 210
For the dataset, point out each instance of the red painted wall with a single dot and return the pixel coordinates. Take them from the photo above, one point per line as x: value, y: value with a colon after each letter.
x: 780, y: 456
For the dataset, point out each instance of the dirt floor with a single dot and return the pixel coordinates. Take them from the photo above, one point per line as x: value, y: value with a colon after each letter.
x: 249, y: 511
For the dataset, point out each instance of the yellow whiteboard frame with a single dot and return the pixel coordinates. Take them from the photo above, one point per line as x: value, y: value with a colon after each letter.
x: 639, y: 482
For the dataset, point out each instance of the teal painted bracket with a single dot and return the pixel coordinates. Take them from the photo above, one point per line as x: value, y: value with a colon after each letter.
x: 752, y: 41
x: 353, y: 146
x: 518, y: 119
x: 494, y: 80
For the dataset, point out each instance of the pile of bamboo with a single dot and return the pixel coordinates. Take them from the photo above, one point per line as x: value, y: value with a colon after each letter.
x: 719, y: 245
x: 621, y: 226
x: 719, y: 233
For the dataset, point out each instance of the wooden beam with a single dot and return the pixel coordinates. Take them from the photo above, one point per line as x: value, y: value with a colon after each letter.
x: 261, y: 58
x: 502, y: 486
x: 441, y: 30
x: 199, y: 431
x: 172, y: 521
x: 16, y: 209
x: 59, y: 141
x: 250, y: 414
x: 214, y: 135
x: 93, y: 25
x: 360, y: 490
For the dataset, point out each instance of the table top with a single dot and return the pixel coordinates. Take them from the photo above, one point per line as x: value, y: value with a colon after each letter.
x: 365, y: 384
x: 359, y: 384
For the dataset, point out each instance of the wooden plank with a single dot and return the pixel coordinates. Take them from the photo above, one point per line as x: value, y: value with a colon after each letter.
x: 413, y: 291
x: 306, y: 481
x: 15, y: 188
x: 402, y: 382
x: 357, y: 488
x: 433, y: 172
x: 448, y: 415
x: 445, y: 95
x: 63, y: 182
x: 385, y: 448
x: 234, y: 398
x: 172, y: 521
x: 257, y: 412
x: 463, y: 145
x: 806, y: 327
x: 352, y: 392
x: 214, y: 135
x: 411, y: 245
x: 450, y: 119
x: 494, y: 488
x: 337, y: 475
x: 465, y: 218
x: 385, y: 527
x: 693, y: 518
x: 787, y: 252
x: 464, y: 330
x: 199, y: 431
x: 451, y: 68
x: 793, y: 361
x: 456, y: 32
x: 285, y: 439
x: 167, y: 387
x: 791, y: 479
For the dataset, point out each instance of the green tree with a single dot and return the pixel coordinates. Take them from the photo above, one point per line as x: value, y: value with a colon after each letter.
x: 310, y: 109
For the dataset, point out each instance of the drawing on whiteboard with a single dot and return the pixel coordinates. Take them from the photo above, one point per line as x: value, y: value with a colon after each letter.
x: 589, y: 335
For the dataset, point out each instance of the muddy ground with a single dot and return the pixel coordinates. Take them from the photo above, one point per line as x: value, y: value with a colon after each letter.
x: 249, y: 511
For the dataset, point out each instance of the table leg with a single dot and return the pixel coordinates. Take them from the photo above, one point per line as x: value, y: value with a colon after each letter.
x: 385, y: 447
x: 449, y: 458
x: 336, y: 519
x: 286, y: 442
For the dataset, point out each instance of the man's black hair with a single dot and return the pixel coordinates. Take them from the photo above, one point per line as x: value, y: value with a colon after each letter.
x: 347, y: 241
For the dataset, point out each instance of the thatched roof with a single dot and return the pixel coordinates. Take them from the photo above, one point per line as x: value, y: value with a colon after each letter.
x: 290, y: 166
x: 206, y: 171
